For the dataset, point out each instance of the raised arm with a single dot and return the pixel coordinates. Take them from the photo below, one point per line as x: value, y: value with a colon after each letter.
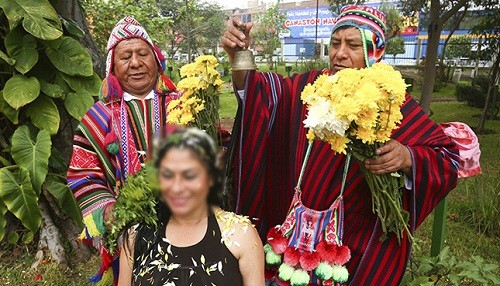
x: 236, y: 37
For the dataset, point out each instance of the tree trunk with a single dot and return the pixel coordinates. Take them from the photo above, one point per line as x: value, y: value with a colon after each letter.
x: 494, y: 78
x: 434, y: 32
x: 430, y: 63
x: 50, y: 237
x: 56, y: 227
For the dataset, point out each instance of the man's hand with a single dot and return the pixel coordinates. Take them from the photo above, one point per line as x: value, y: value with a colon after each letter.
x: 236, y: 37
x: 393, y: 157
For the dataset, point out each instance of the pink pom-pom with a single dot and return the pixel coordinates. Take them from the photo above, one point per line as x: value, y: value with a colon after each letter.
x: 327, y: 251
x: 277, y: 241
x: 309, y: 261
x: 343, y: 255
x: 291, y: 256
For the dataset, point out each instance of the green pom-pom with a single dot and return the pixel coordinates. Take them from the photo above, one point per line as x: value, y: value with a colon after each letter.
x: 273, y: 258
x: 340, y: 274
x: 113, y: 148
x: 267, y: 248
x: 324, y: 271
x: 299, y: 278
x: 285, y: 272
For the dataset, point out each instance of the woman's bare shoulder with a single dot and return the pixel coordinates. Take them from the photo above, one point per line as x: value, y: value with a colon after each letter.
x: 236, y: 230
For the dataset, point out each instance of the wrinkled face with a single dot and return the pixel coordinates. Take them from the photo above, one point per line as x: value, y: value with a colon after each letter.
x: 184, y: 181
x: 134, y: 65
x: 346, y: 49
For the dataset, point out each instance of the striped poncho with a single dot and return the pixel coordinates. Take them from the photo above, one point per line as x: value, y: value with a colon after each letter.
x: 95, y: 174
x: 269, y: 148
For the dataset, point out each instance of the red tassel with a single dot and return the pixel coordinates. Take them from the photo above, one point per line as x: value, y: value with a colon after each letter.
x: 168, y: 82
x: 291, y: 256
x: 309, y: 260
x: 111, y: 137
x: 111, y: 88
x: 327, y: 251
x: 277, y: 241
x: 343, y: 254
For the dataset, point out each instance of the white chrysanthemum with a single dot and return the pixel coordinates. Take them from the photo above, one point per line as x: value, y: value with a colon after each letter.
x: 322, y: 119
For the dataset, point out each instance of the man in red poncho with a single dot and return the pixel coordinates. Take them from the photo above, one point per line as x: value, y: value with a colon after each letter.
x: 270, y: 143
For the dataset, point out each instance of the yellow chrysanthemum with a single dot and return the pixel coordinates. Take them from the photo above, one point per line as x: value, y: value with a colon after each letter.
x: 186, y: 119
x: 207, y: 59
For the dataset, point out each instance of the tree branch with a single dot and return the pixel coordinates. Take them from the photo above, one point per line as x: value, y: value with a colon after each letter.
x: 452, y: 11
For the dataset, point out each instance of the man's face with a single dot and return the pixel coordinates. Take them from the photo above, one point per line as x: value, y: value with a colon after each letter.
x: 346, y: 50
x: 134, y: 65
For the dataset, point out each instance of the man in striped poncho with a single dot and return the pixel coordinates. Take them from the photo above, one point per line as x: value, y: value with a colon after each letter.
x: 270, y: 144
x: 115, y: 135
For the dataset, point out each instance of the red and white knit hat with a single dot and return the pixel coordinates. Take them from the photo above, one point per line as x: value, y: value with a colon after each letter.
x: 129, y: 28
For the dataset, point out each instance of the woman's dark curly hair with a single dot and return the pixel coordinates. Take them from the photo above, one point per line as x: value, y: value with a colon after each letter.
x: 203, y: 147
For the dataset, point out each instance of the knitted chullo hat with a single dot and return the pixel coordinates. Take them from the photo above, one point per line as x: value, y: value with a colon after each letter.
x: 129, y: 28
x: 371, y: 23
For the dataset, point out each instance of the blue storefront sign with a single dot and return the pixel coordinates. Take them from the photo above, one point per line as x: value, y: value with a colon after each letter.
x: 301, y: 23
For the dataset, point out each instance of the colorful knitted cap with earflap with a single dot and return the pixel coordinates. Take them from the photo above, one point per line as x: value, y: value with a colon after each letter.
x: 371, y: 23
x: 130, y: 28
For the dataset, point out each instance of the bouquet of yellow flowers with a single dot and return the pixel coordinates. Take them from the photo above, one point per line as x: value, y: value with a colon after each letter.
x: 355, y: 111
x: 198, y: 104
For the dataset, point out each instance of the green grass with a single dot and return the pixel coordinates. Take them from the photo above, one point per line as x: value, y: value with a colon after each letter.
x: 15, y: 264
x: 447, y: 91
x: 228, y: 104
x: 473, y: 217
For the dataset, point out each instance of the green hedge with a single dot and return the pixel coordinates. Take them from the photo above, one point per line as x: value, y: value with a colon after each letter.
x: 473, y: 95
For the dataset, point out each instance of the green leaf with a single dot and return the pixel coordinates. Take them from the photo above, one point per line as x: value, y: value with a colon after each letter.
x: 71, y: 57
x: 51, y: 89
x: 20, y: 90
x: 20, y: 198
x: 91, y: 84
x: 32, y: 155
x: 5, y: 163
x: 6, y: 58
x: 72, y: 27
x: 77, y: 104
x: 44, y: 114
x: 27, y: 237
x: 3, y: 220
x: 8, y: 111
x: 62, y: 83
x: 57, y: 161
x: 13, y: 237
x: 54, y: 44
x: 38, y: 17
x: 22, y: 48
x: 64, y: 196
x: 454, y: 279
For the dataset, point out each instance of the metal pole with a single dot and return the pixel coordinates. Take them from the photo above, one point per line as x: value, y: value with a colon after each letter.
x: 438, y: 228
x: 316, y: 32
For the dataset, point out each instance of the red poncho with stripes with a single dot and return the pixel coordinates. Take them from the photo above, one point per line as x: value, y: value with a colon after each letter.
x: 270, y: 144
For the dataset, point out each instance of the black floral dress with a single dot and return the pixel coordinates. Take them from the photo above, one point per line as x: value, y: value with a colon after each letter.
x: 208, y: 262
